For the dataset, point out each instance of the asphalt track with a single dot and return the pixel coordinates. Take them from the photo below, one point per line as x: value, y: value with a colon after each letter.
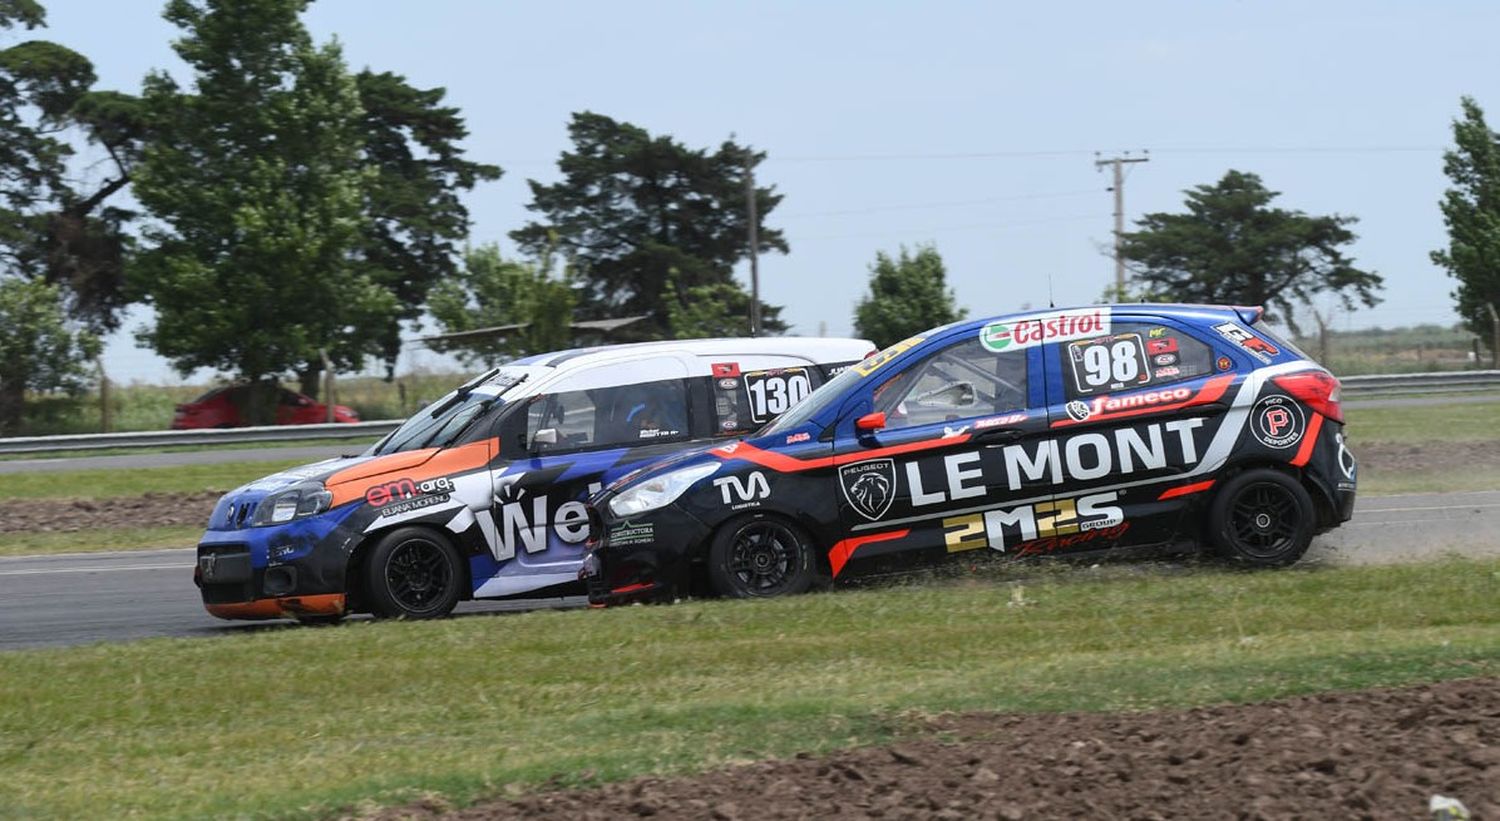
x: 109, y: 597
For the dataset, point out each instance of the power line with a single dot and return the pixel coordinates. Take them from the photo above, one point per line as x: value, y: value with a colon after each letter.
x: 875, y: 209
x: 943, y: 229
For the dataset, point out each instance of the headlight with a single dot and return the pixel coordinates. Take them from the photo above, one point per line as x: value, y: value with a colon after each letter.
x: 659, y: 491
x: 296, y: 502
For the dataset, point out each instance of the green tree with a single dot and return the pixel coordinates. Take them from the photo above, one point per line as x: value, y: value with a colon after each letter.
x: 632, y: 207
x: 51, y: 230
x: 40, y: 348
x: 1232, y: 247
x: 908, y: 295
x: 491, y: 291
x: 256, y: 182
x: 413, y: 215
x: 1471, y: 210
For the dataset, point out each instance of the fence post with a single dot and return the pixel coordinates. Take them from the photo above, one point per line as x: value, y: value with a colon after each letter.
x: 330, y: 396
x: 1494, y: 337
x: 106, y: 414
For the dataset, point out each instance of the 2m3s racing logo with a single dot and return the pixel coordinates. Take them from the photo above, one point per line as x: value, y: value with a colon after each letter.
x: 1066, y: 522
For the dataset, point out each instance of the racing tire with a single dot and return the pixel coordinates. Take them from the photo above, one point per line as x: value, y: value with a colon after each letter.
x: 413, y: 573
x: 760, y: 556
x: 1262, y: 518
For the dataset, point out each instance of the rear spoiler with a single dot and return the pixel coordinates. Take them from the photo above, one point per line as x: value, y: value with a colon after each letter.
x: 1250, y: 315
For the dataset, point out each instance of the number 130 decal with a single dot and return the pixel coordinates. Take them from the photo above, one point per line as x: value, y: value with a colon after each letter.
x: 772, y: 393
x: 1109, y: 363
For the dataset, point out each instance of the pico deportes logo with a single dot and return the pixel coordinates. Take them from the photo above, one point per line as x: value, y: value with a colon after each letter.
x: 1055, y: 327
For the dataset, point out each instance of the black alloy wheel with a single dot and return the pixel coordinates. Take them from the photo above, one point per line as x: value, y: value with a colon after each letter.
x: 1263, y: 517
x: 413, y: 573
x: 761, y: 556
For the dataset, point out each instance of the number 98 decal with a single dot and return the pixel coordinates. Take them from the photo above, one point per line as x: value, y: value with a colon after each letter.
x: 773, y: 393
x: 1109, y: 363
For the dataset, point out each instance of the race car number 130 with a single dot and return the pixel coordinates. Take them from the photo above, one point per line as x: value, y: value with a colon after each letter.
x: 772, y: 393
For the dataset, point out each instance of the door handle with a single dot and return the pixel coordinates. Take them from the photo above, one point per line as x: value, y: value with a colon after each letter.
x: 998, y: 436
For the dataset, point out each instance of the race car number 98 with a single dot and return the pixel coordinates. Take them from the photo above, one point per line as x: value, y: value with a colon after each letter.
x: 1109, y: 363
x: 773, y: 393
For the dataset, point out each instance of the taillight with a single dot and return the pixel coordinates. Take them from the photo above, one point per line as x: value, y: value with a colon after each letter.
x: 1317, y: 389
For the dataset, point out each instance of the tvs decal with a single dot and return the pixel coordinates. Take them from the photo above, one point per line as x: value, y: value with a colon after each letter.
x: 383, y: 494
x: 1161, y: 346
x: 869, y: 487
x: 874, y: 361
x: 725, y: 369
x: 1278, y: 422
x: 1078, y: 410
x: 795, y: 438
x: 1009, y: 527
x: 999, y: 421
x: 740, y: 494
x: 1108, y: 363
x: 1252, y: 344
x: 1164, y: 359
x: 1060, y: 326
x: 772, y: 393
x: 1082, y: 457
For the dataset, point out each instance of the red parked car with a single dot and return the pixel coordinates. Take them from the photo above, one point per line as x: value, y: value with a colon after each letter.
x: 220, y: 408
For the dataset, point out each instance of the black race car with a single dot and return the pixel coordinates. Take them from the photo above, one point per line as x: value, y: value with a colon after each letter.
x: 1057, y: 432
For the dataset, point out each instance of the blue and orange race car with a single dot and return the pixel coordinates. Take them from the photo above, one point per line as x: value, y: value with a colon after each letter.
x: 1047, y: 433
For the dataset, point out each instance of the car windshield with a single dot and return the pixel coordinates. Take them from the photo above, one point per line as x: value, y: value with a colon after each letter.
x: 440, y: 423
x: 821, y: 398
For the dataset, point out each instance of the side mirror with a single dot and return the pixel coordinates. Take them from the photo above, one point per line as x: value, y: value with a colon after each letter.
x: 870, y: 422
x: 545, y: 436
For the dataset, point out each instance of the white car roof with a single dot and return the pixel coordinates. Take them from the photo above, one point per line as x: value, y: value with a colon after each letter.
x: 820, y: 350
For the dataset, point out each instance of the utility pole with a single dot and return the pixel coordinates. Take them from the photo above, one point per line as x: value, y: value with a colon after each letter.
x: 1495, y: 337
x: 1119, y: 188
x: 754, y: 245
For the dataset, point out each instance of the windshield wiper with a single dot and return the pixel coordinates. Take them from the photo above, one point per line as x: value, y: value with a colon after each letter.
x: 463, y: 391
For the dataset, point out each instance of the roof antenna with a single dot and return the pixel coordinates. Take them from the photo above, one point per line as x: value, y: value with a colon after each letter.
x: 1051, y: 303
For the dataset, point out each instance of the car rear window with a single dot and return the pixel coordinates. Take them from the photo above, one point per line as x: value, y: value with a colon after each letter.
x: 747, y: 402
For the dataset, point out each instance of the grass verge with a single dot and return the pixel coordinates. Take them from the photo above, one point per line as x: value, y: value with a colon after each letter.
x: 104, y: 484
x: 386, y: 712
x: 1414, y: 424
x: 350, y: 445
x: 97, y: 541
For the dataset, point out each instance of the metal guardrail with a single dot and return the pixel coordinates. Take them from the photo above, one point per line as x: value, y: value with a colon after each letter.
x: 1353, y: 386
x: 1390, y: 384
x: 207, y: 436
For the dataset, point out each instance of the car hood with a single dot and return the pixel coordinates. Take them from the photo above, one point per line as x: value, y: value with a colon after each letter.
x: 340, y: 470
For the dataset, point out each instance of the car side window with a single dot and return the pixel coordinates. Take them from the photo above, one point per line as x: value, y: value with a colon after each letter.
x: 962, y: 381
x: 616, y: 416
x: 1133, y: 355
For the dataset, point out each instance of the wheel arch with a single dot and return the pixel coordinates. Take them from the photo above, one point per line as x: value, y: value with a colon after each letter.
x: 354, y: 568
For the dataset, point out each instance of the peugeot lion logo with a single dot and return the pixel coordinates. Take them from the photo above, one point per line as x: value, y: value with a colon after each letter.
x: 870, y: 487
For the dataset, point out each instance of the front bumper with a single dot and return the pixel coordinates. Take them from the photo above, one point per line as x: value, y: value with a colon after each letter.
x: 645, y: 558
x: 277, y: 572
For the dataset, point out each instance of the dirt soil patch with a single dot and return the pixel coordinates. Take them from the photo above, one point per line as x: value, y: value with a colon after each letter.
x: 74, y: 515
x: 1417, y: 457
x: 1368, y: 754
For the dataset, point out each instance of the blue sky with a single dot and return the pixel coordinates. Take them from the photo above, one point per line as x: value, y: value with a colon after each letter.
x: 969, y: 125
